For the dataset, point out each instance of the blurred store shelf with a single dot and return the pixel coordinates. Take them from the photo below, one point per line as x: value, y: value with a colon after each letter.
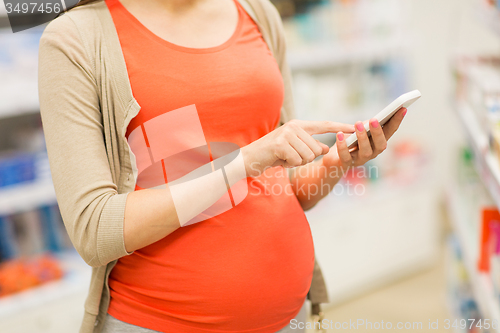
x: 312, y: 57
x: 28, y: 106
x: 487, y: 164
x: 19, y: 97
x: 4, y: 20
x: 3, y: 10
x: 482, y: 286
x: 476, y: 81
x: 23, y: 197
x: 76, y: 279
x: 394, y: 235
x: 18, y: 69
x: 489, y: 15
x: 53, y: 307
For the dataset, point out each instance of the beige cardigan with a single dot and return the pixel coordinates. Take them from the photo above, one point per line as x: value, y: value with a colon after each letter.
x: 86, y: 104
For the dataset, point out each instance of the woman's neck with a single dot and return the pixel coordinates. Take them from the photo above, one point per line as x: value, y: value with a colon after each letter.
x: 189, y: 23
x: 171, y: 6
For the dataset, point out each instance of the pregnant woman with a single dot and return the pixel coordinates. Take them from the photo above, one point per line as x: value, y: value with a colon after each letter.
x: 127, y: 85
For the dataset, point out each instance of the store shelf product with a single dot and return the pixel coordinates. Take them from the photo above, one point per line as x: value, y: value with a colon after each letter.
x: 489, y: 13
x: 481, y: 283
x: 75, y: 280
x: 486, y: 162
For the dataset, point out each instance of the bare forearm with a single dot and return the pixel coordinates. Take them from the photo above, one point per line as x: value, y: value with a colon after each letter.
x: 313, y: 181
x: 152, y: 214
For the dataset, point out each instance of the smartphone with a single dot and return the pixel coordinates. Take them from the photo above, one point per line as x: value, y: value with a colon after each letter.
x: 403, y: 101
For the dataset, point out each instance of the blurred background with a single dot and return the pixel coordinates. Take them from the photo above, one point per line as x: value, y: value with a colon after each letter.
x: 412, y: 237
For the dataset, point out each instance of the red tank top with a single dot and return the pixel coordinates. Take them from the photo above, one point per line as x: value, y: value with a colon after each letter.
x: 248, y: 269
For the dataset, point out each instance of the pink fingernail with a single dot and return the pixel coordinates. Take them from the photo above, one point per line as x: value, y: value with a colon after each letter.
x: 404, y: 112
x: 340, y: 136
x: 374, y: 123
x: 359, y: 126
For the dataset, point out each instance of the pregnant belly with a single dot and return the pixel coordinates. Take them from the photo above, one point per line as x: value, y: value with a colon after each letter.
x: 249, y: 268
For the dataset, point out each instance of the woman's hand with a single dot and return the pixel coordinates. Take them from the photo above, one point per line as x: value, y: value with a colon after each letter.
x: 368, y: 148
x: 290, y: 145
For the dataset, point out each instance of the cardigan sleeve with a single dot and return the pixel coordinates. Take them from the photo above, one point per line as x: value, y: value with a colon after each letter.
x: 278, y: 40
x: 288, y: 111
x: 92, y: 210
